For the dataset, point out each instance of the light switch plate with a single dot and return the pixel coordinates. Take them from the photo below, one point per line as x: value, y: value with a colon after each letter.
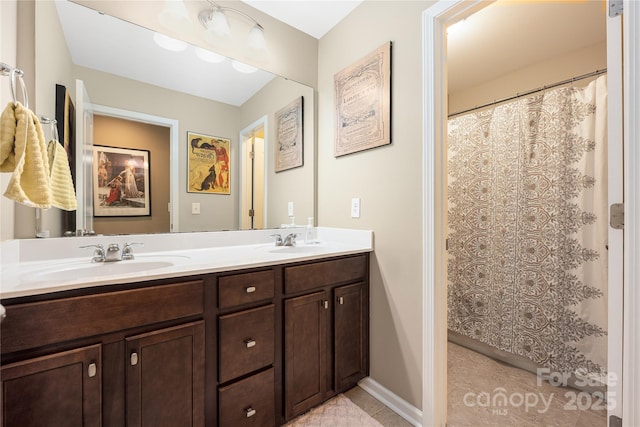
x: 355, y: 207
x: 195, y: 208
x: 290, y: 209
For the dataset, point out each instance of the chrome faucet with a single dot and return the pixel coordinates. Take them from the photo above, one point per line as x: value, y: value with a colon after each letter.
x: 127, y: 251
x: 277, y: 238
x: 113, y: 253
x: 98, y: 252
x: 290, y: 240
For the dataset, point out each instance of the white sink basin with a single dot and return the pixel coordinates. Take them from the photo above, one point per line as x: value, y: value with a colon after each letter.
x: 87, y: 269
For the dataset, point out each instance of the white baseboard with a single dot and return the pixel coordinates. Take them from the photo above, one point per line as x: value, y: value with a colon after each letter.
x: 392, y: 401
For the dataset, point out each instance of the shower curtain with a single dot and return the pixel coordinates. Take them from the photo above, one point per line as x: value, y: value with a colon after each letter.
x: 527, y: 260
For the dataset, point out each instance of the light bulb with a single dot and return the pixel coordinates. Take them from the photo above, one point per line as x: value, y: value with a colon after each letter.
x: 256, y: 39
x: 174, y: 16
x: 219, y: 24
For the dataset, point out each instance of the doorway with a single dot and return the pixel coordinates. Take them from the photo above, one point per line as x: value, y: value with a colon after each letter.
x: 252, y: 209
x: 435, y: 22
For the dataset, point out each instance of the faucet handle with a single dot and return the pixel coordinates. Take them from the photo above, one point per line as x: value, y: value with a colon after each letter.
x: 98, y: 252
x: 127, y: 251
x: 290, y: 240
x: 277, y: 238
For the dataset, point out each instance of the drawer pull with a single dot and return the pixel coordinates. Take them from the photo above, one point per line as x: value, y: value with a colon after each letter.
x: 250, y: 412
x: 134, y: 359
x: 250, y: 343
x: 251, y: 289
x: 341, y: 300
x: 92, y: 370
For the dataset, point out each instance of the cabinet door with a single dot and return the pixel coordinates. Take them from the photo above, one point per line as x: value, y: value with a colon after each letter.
x: 350, y: 335
x: 305, y: 321
x: 60, y: 390
x: 165, y: 377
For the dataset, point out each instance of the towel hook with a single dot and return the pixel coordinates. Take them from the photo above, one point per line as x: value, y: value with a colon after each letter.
x: 12, y: 81
x: 54, y: 127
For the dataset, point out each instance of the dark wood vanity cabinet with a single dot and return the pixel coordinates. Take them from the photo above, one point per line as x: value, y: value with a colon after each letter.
x: 130, y: 357
x: 247, y: 349
x: 61, y: 389
x: 325, y: 330
x: 240, y: 348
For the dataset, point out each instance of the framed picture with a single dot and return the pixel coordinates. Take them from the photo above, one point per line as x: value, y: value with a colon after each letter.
x: 209, y: 164
x: 363, y: 103
x: 289, y: 136
x: 121, y: 185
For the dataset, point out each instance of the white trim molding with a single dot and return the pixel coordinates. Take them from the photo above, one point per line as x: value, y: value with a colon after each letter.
x: 631, y: 334
x: 392, y: 401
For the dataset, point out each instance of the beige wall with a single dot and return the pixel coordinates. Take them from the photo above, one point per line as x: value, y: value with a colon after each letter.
x: 566, y: 66
x: 115, y: 132
x: 296, y: 185
x: 387, y: 180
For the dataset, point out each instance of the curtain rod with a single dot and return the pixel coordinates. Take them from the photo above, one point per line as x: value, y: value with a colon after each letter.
x: 540, y: 89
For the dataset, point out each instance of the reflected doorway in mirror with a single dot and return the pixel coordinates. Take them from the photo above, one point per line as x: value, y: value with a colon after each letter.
x: 209, y: 159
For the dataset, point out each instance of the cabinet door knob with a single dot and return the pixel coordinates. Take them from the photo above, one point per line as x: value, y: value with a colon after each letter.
x: 251, y: 289
x: 92, y: 370
x: 325, y: 303
x: 250, y: 412
x: 250, y: 343
x: 341, y: 300
x: 134, y: 359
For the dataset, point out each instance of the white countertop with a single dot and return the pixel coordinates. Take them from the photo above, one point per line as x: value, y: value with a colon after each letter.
x: 39, y: 266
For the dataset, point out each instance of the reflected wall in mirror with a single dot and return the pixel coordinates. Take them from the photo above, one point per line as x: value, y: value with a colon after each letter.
x: 64, y: 55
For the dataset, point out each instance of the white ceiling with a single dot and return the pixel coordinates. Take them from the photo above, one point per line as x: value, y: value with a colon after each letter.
x: 501, y: 38
x: 314, y: 17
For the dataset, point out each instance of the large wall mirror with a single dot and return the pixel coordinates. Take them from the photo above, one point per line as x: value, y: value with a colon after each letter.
x: 130, y: 79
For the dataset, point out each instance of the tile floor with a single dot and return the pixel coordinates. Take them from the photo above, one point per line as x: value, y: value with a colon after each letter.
x: 471, y: 373
x: 376, y: 409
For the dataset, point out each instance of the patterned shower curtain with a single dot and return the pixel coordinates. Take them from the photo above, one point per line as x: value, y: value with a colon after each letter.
x: 527, y: 193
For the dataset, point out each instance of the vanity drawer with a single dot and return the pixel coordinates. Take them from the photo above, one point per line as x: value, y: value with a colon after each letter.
x: 247, y: 341
x: 326, y: 273
x: 41, y: 323
x: 245, y: 288
x: 249, y: 402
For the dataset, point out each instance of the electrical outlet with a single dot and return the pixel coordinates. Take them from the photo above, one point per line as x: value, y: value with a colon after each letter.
x: 195, y: 208
x: 290, y: 209
x: 355, y: 207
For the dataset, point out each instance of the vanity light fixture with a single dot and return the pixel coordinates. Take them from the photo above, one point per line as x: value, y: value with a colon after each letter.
x: 174, y: 16
x: 218, y: 31
x: 169, y: 43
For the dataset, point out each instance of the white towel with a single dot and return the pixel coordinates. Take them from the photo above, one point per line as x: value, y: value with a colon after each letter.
x: 25, y: 156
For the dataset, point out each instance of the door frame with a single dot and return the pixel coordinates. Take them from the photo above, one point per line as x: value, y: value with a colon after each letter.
x: 173, y: 125
x: 245, y: 135
x: 434, y: 390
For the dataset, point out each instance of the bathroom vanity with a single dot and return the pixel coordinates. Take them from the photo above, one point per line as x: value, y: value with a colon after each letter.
x: 254, y: 344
